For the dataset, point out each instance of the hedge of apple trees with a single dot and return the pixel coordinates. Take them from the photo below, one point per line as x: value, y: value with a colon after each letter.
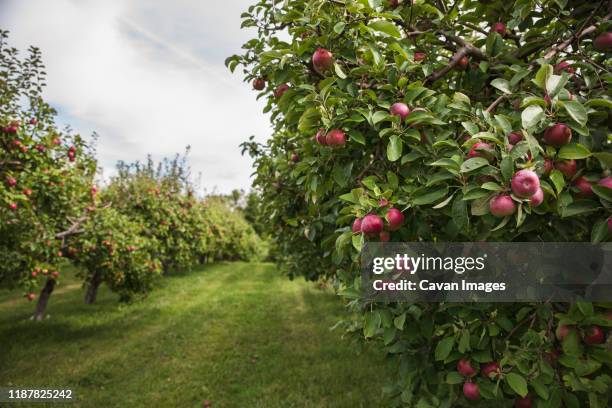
x: 143, y: 223
x: 443, y: 121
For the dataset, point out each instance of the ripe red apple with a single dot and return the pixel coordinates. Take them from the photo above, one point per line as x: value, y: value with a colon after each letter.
x: 295, y: 158
x: 564, y: 66
x: 558, y: 134
x: 502, y: 206
x: 259, y: 84
x: 395, y: 218
x: 490, y: 370
x: 463, y: 63
x: 562, y: 331
x: 384, y: 236
x: 525, y: 183
x: 548, y: 166
x: 383, y: 202
x: 515, y: 137
x: 481, y: 149
x: 603, y: 42
x: 34, y: 273
x: 31, y: 296
x: 585, y: 187
x: 321, y: 137
x: 11, y: 181
x: 280, y: 90
x: 41, y: 148
x: 537, y: 198
x: 419, y: 56
x: 499, y: 28
x: 465, y: 368
x: 371, y: 225
x: 399, y: 109
x: 27, y: 191
x: 33, y: 121
x: 567, y: 167
x: 594, y: 335
x: 356, y: 227
x: 57, y: 141
x: 471, y: 391
x: 13, y: 206
x: 322, y: 60
x: 606, y: 182
x: 523, y: 402
x: 335, y: 137
x: 394, y: 3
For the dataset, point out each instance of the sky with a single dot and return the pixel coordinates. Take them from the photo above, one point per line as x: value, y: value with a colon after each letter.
x: 148, y: 77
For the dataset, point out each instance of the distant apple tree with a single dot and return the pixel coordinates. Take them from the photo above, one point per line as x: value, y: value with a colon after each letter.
x: 442, y: 121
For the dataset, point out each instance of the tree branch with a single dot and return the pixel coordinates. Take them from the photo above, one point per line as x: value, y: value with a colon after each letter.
x: 462, y: 52
x: 495, y: 103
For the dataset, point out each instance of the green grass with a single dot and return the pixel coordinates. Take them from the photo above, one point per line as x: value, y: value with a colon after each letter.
x: 237, y: 334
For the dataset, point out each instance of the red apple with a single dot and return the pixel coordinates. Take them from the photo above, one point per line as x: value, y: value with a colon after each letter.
x: 567, y: 167
x: 322, y: 60
x: 419, y: 56
x: 41, y: 148
x: 537, y: 198
x: 564, y: 66
x: 33, y: 121
x: 558, y: 134
x: 481, y: 149
x: 465, y: 368
x: 259, y: 84
x: 594, y: 335
x: 394, y: 3
x: 499, y: 28
x: 515, y: 137
x: 27, y: 191
x: 490, y: 370
x: 562, y: 331
x: 34, y: 274
x: 584, y: 185
x: 356, y: 227
x: 548, y: 166
x: 523, y: 402
x: 295, y: 158
x: 525, y: 183
x: 399, y: 109
x: 383, y: 202
x: 335, y: 137
x: 463, y: 63
x: 13, y: 206
x: 321, y: 137
x: 502, y: 206
x: 31, y: 296
x: 603, y: 42
x: 606, y: 182
x: 471, y: 391
x: 57, y: 141
x: 11, y: 181
x: 384, y: 236
x: 371, y: 225
x: 395, y: 218
x: 280, y: 90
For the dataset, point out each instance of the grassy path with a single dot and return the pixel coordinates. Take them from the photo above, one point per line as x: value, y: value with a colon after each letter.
x: 238, y: 335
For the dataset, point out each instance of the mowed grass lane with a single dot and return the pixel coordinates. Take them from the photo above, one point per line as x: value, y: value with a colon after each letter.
x: 236, y: 334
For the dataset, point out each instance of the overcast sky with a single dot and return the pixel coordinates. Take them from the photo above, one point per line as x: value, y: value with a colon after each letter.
x: 148, y: 76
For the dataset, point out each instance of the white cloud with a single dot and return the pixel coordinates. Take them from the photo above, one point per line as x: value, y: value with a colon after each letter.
x: 148, y: 77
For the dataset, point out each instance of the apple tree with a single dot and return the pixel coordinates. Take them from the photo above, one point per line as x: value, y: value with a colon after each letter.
x: 46, y: 178
x: 442, y: 121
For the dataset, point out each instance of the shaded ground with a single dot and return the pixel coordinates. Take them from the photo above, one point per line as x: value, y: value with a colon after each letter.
x: 239, y: 335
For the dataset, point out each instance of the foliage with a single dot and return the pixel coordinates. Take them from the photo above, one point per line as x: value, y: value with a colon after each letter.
x: 45, y: 175
x: 465, y: 83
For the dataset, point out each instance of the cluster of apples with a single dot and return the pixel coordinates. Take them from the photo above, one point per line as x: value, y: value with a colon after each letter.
x: 373, y: 225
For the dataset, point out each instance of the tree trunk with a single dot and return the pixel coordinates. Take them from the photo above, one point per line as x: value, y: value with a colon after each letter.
x: 92, y: 288
x: 41, y: 306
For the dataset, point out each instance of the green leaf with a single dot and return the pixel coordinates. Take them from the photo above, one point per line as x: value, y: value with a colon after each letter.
x: 545, y: 71
x: 605, y: 158
x: 604, y: 103
x: 517, y: 383
x: 473, y: 164
x: 603, y: 192
x: 531, y: 116
x: 502, y: 85
x: 454, y: 377
x: 507, y: 168
x: 574, y: 151
x: 464, y: 341
x: 430, y: 196
x: 342, y: 173
x: 394, y: 148
x: 371, y: 323
x: 576, y: 111
x: 555, y: 83
x: 339, y: 71
x: 339, y: 27
x: 557, y: 178
x: 444, y: 348
x: 386, y: 27
x: 599, y: 231
x: 399, y: 321
x: 579, y: 207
